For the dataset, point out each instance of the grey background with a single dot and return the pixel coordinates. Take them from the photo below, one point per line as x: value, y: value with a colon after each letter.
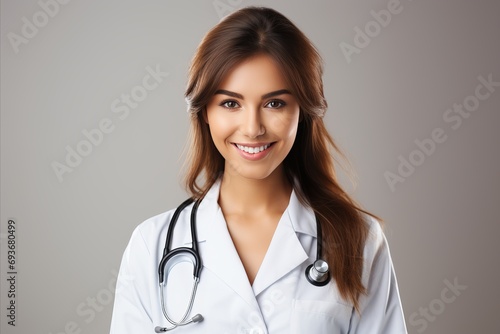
x: 441, y: 221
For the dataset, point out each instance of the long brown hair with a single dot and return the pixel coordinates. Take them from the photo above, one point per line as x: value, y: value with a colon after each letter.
x: 309, y: 166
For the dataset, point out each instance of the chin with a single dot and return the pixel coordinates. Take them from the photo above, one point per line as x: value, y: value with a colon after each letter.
x: 250, y: 173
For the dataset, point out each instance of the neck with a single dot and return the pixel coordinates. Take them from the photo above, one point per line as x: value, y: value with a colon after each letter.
x: 251, y: 196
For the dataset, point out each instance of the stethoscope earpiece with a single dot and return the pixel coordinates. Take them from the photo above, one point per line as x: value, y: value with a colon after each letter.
x: 317, y: 273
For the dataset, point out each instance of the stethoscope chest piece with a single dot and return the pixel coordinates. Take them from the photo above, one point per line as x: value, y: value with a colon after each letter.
x: 317, y: 273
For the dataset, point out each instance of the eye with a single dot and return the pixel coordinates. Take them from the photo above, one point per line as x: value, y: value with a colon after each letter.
x: 229, y: 104
x: 275, y: 104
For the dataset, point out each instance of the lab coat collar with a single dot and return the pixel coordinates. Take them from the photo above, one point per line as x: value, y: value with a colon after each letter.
x: 285, y: 252
x: 301, y: 217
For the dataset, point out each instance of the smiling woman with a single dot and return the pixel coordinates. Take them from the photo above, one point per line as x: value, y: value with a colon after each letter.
x: 253, y: 119
x: 276, y: 244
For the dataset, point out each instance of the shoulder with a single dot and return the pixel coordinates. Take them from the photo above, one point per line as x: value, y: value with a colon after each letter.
x: 377, y: 256
x: 380, y: 308
x: 375, y: 234
x: 155, y: 223
x: 148, y: 234
x: 153, y: 230
x: 376, y: 246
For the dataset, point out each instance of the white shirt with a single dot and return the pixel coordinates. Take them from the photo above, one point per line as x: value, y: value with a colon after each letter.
x: 281, y: 300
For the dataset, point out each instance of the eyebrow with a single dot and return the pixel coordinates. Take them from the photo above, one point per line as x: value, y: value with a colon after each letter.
x: 265, y: 96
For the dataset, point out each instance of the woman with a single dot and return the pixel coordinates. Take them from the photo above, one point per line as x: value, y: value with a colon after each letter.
x: 261, y: 169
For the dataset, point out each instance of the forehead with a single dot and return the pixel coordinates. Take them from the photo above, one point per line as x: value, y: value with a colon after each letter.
x: 258, y: 74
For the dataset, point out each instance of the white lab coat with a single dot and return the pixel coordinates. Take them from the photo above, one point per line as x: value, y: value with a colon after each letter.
x: 280, y: 300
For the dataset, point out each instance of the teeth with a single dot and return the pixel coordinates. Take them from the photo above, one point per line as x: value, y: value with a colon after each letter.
x: 252, y: 150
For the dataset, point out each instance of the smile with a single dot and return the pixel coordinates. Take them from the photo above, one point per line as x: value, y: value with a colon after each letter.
x: 252, y: 149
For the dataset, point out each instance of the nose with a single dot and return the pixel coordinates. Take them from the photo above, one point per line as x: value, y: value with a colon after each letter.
x: 252, y: 125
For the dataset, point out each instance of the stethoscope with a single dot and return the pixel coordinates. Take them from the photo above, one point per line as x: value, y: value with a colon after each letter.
x: 317, y: 273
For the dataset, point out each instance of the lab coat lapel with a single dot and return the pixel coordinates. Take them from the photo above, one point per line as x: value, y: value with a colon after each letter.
x: 286, y: 252
x: 218, y: 252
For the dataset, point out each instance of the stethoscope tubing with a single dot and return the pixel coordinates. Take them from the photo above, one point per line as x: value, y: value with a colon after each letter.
x: 183, y: 321
x: 168, y: 253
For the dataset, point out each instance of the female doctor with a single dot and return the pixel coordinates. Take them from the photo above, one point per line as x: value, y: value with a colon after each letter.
x: 272, y: 243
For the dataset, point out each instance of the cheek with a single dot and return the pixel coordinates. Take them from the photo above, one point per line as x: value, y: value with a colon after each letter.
x: 286, y: 125
x: 220, y: 127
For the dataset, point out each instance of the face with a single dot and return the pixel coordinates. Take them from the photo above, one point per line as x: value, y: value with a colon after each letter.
x: 253, y: 119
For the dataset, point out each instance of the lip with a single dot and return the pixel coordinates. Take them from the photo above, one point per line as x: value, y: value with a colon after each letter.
x: 254, y: 156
